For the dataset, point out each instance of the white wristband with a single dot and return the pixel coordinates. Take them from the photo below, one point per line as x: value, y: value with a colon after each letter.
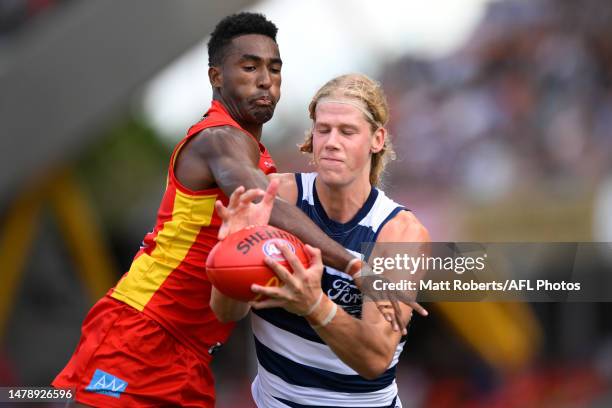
x: 314, y: 306
x: 328, y: 318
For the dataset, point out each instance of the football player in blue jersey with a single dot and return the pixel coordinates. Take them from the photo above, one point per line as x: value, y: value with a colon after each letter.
x: 318, y: 342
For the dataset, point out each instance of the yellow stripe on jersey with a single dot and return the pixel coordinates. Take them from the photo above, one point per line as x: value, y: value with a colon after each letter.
x: 172, y: 244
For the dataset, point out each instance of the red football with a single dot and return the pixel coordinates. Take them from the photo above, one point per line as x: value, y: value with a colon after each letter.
x: 237, y: 262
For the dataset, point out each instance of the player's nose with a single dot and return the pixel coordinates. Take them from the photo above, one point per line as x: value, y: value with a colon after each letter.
x: 264, y: 79
x: 332, y: 140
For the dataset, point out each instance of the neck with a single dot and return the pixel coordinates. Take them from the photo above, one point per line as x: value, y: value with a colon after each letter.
x: 342, y: 203
x: 253, y: 128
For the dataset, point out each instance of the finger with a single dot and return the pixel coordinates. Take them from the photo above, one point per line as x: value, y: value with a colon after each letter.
x: 387, y: 315
x: 418, y: 308
x: 280, y: 271
x: 314, y: 254
x: 271, y: 191
x: 269, y: 291
x: 385, y: 309
x: 250, y: 196
x: 292, y: 259
x: 235, y: 196
x: 408, y: 298
x: 267, y: 304
x: 397, y: 315
x: 222, y: 213
x: 400, y: 322
x: 223, y: 231
x: 221, y: 210
x: 355, y: 267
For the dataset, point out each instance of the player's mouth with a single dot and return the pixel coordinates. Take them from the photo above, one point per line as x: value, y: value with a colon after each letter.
x: 263, y: 100
x: 331, y: 160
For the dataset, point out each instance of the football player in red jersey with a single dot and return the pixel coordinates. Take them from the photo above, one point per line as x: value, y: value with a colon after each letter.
x: 149, y: 341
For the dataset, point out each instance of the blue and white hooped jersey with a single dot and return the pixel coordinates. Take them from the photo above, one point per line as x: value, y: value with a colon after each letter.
x: 295, y: 367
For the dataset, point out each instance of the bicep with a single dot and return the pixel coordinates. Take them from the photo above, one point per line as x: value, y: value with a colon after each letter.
x: 232, y: 159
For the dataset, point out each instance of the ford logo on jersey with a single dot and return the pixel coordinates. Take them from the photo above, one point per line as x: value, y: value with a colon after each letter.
x: 270, y: 248
x: 107, y: 384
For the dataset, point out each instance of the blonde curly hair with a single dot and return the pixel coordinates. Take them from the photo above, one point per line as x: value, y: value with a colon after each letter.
x: 368, y: 91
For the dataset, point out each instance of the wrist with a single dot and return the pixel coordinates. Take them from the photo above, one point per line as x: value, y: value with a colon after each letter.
x: 318, y: 317
x: 313, y: 307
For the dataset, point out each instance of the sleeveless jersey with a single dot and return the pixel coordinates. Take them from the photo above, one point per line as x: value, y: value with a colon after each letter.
x: 295, y: 367
x: 167, y: 279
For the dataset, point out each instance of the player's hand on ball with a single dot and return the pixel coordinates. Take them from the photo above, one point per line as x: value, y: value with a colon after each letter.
x: 300, y: 291
x: 242, y: 211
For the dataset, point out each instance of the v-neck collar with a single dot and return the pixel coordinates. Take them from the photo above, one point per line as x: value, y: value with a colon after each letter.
x: 338, y: 227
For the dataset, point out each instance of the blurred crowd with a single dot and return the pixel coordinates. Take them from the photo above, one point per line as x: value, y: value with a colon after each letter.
x: 527, y: 100
x: 524, y: 108
x: 14, y: 14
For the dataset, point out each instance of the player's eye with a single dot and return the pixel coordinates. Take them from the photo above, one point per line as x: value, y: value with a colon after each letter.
x: 249, y: 68
x: 275, y: 70
x: 322, y: 130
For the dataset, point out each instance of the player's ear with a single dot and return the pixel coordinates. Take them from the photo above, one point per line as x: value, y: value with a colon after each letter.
x: 215, y: 77
x: 378, y: 140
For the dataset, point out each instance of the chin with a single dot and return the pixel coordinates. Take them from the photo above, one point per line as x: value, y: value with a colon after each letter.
x: 333, y: 180
x: 263, y: 115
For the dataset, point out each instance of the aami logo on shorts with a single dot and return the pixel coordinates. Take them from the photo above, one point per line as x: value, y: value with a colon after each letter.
x: 271, y: 250
x: 107, y: 384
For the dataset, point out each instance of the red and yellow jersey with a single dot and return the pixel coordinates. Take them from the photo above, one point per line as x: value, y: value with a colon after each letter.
x: 167, y: 279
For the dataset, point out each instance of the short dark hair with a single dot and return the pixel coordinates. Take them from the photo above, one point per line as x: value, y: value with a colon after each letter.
x: 234, y: 26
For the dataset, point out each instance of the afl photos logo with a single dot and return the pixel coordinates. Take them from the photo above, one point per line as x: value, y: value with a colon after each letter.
x: 270, y: 248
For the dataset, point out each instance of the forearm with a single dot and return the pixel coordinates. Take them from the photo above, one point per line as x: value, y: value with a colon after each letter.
x: 227, y: 309
x: 360, y: 345
x: 290, y: 218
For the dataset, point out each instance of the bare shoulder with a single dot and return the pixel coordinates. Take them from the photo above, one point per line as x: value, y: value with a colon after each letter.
x: 202, y: 157
x: 287, y: 189
x: 404, y: 227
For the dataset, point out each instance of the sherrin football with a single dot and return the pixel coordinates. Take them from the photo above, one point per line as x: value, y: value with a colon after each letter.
x: 237, y: 262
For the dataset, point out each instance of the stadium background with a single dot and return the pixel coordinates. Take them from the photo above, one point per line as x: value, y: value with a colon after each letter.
x: 501, y: 117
